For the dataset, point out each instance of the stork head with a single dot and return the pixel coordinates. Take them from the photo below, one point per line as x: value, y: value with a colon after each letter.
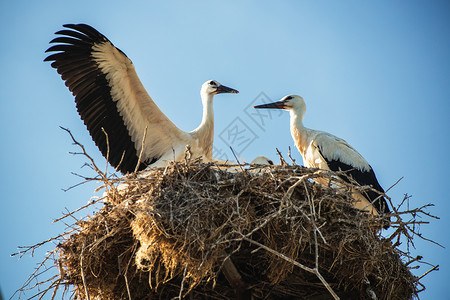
x: 293, y: 103
x: 212, y: 87
x: 289, y: 102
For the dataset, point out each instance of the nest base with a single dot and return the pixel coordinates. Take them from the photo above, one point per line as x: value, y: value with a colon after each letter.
x: 167, y: 234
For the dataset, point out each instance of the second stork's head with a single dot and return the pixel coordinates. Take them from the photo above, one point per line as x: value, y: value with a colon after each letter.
x: 292, y: 103
x: 212, y: 87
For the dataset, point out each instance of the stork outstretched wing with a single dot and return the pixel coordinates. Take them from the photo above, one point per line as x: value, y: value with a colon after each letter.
x: 110, y: 96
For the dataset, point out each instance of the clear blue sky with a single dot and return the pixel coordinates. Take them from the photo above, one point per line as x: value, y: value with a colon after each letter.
x: 376, y: 73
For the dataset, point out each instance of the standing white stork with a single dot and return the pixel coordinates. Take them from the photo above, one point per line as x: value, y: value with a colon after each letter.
x: 325, y: 151
x: 109, y: 96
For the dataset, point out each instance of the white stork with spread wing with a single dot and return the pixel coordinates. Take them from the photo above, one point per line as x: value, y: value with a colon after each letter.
x: 109, y: 96
x: 325, y: 151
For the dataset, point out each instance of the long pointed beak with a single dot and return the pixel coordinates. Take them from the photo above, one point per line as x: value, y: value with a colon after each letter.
x: 224, y: 89
x: 277, y: 105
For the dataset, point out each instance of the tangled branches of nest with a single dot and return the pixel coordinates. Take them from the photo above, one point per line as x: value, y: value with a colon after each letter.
x: 199, y: 230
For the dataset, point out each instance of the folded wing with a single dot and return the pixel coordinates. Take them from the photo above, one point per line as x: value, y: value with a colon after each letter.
x: 340, y: 156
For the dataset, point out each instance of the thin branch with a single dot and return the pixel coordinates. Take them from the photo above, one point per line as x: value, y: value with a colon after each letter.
x: 82, y: 271
x: 435, y: 268
x: 77, y: 210
x: 240, y: 166
x: 142, y: 150
x: 290, y: 156
x: 296, y: 263
x: 34, y: 247
x: 85, y: 153
x: 107, y: 150
x: 282, y: 161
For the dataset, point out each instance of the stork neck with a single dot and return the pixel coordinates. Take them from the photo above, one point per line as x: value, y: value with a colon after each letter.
x: 205, y: 131
x: 299, y: 132
x: 208, y: 112
x: 296, y: 119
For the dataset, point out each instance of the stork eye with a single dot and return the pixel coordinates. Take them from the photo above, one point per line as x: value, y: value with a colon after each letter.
x: 212, y: 83
x: 288, y: 98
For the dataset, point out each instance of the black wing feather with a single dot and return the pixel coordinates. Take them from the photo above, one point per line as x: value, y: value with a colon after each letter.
x: 74, y: 34
x: 92, y: 92
x: 363, y: 179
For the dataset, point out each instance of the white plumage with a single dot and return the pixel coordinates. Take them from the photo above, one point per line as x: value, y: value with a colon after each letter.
x: 325, y: 151
x: 110, y: 96
x: 258, y: 163
x: 262, y: 160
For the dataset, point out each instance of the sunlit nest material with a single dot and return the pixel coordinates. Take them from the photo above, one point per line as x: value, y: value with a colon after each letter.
x: 203, y: 231
x: 196, y: 231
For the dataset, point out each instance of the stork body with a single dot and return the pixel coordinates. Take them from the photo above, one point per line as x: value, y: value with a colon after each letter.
x: 111, y: 99
x: 325, y: 151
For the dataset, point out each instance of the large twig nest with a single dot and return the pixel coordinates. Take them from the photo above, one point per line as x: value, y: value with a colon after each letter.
x: 167, y: 234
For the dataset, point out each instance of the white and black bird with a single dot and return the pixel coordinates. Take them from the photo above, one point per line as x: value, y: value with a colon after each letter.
x: 262, y: 160
x: 259, y: 165
x: 109, y: 96
x: 325, y: 151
